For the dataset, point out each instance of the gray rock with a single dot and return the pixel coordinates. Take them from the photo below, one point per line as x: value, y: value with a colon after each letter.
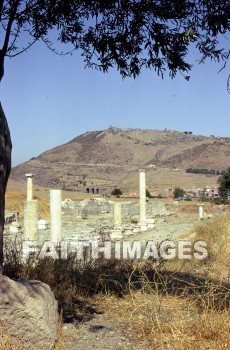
x: 28, y: 312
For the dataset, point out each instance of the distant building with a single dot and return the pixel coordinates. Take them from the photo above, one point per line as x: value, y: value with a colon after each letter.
x: 211, y: 192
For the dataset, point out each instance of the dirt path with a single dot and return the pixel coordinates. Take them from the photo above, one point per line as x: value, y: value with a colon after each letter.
x: 100, y: 333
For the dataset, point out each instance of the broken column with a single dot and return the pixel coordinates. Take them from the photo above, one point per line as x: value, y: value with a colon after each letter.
x: 29, y: 187
x: 30, y: 212
x: 142, y: 201
x: 56, y: 215
x: 201, y: 211
x: 116, y: 233
x: 31, y: 220
x: 117, y: 215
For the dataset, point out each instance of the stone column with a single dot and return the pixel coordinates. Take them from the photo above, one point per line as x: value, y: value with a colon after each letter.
x: 116, y: 233
x: 142, y: 194
x: 29, y: 187
x: 117, y: 215
x: 56, y: 215
x: 201, y: 211
x: 31, y: 220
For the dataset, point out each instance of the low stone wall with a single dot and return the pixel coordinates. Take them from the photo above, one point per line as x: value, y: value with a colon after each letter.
x: 99, y: 206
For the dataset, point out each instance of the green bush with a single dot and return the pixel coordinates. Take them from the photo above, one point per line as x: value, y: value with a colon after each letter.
x: 148, y: 194
x: 178, y: 192
x: 116, y: 192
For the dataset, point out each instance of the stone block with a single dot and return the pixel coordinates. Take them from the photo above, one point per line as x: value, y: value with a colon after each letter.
x: 43, y: 225
x: 28, y: 312
x: 151, y: 223
x: 116, y: 235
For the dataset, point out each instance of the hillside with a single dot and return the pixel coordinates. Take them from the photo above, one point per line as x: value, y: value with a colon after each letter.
x: 112, y: 157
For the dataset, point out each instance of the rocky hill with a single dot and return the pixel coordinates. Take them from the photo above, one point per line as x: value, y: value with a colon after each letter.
x: 112, y: 157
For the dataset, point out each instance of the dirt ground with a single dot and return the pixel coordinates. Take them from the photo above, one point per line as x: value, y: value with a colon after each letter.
x: 100, y: 332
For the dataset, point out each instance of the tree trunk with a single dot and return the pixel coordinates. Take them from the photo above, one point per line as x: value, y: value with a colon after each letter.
x: 5, y: 166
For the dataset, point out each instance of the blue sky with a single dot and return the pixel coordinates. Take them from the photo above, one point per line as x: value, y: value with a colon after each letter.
x: 49, y: 100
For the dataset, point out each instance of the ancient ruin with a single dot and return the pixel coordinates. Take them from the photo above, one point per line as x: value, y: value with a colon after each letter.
x: 30, y: 212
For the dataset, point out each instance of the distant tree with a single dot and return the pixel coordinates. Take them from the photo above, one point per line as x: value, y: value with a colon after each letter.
x: 130, y: 35
x: 224, y: 182
x: 178, y: 192
x: 148, y: 194
x: 116, y: 192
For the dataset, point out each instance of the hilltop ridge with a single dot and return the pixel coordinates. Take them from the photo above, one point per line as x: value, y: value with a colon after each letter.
x: 111, y: 157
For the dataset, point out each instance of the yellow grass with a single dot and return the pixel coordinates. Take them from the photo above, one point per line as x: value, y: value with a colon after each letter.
x: 216, y: 233
x: 169, y: 322
x: 6, y: 342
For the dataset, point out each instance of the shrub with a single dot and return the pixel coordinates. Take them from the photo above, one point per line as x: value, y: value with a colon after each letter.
x: 116, y: 192
x: 178, y: 192
x: 148, y: 194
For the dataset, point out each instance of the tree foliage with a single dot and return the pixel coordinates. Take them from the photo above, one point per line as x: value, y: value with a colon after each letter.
x: 224, y: 182
x: 148, y: 194
x: 127, y: 34
x: 116, y: 192
x: 178, y: 192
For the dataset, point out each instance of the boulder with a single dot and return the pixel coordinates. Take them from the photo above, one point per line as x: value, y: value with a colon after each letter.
x: 28, y: 313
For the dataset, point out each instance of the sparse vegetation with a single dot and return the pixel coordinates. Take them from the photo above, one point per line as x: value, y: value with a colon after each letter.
x: 116, y: 192
x: 148, y: 194
x: 204, y: 171
x: 178, y: 192
x: 6, y: 343
x: 224, y: 182
x: 204, y: 198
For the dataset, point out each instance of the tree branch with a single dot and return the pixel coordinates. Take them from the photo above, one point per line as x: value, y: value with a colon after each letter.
x: 1, y: 6
x: 9, y: 26
x: 23, y: 50
x: 48, y: 44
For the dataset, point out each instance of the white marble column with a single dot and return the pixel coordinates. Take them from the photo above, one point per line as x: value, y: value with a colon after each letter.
x: 117, y: 215
x: 142, y: 194
x: 56, y: 215
x: 31, y: 220
x: 201, y: 211
x: 29, y: 187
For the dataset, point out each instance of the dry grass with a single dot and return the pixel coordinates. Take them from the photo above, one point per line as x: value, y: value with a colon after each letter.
x: 192, y: 207
x: 6, y: 343
x: 216, y: 233
x: 169, y: 322
x: 15, y: 203
x: 157, y: 306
